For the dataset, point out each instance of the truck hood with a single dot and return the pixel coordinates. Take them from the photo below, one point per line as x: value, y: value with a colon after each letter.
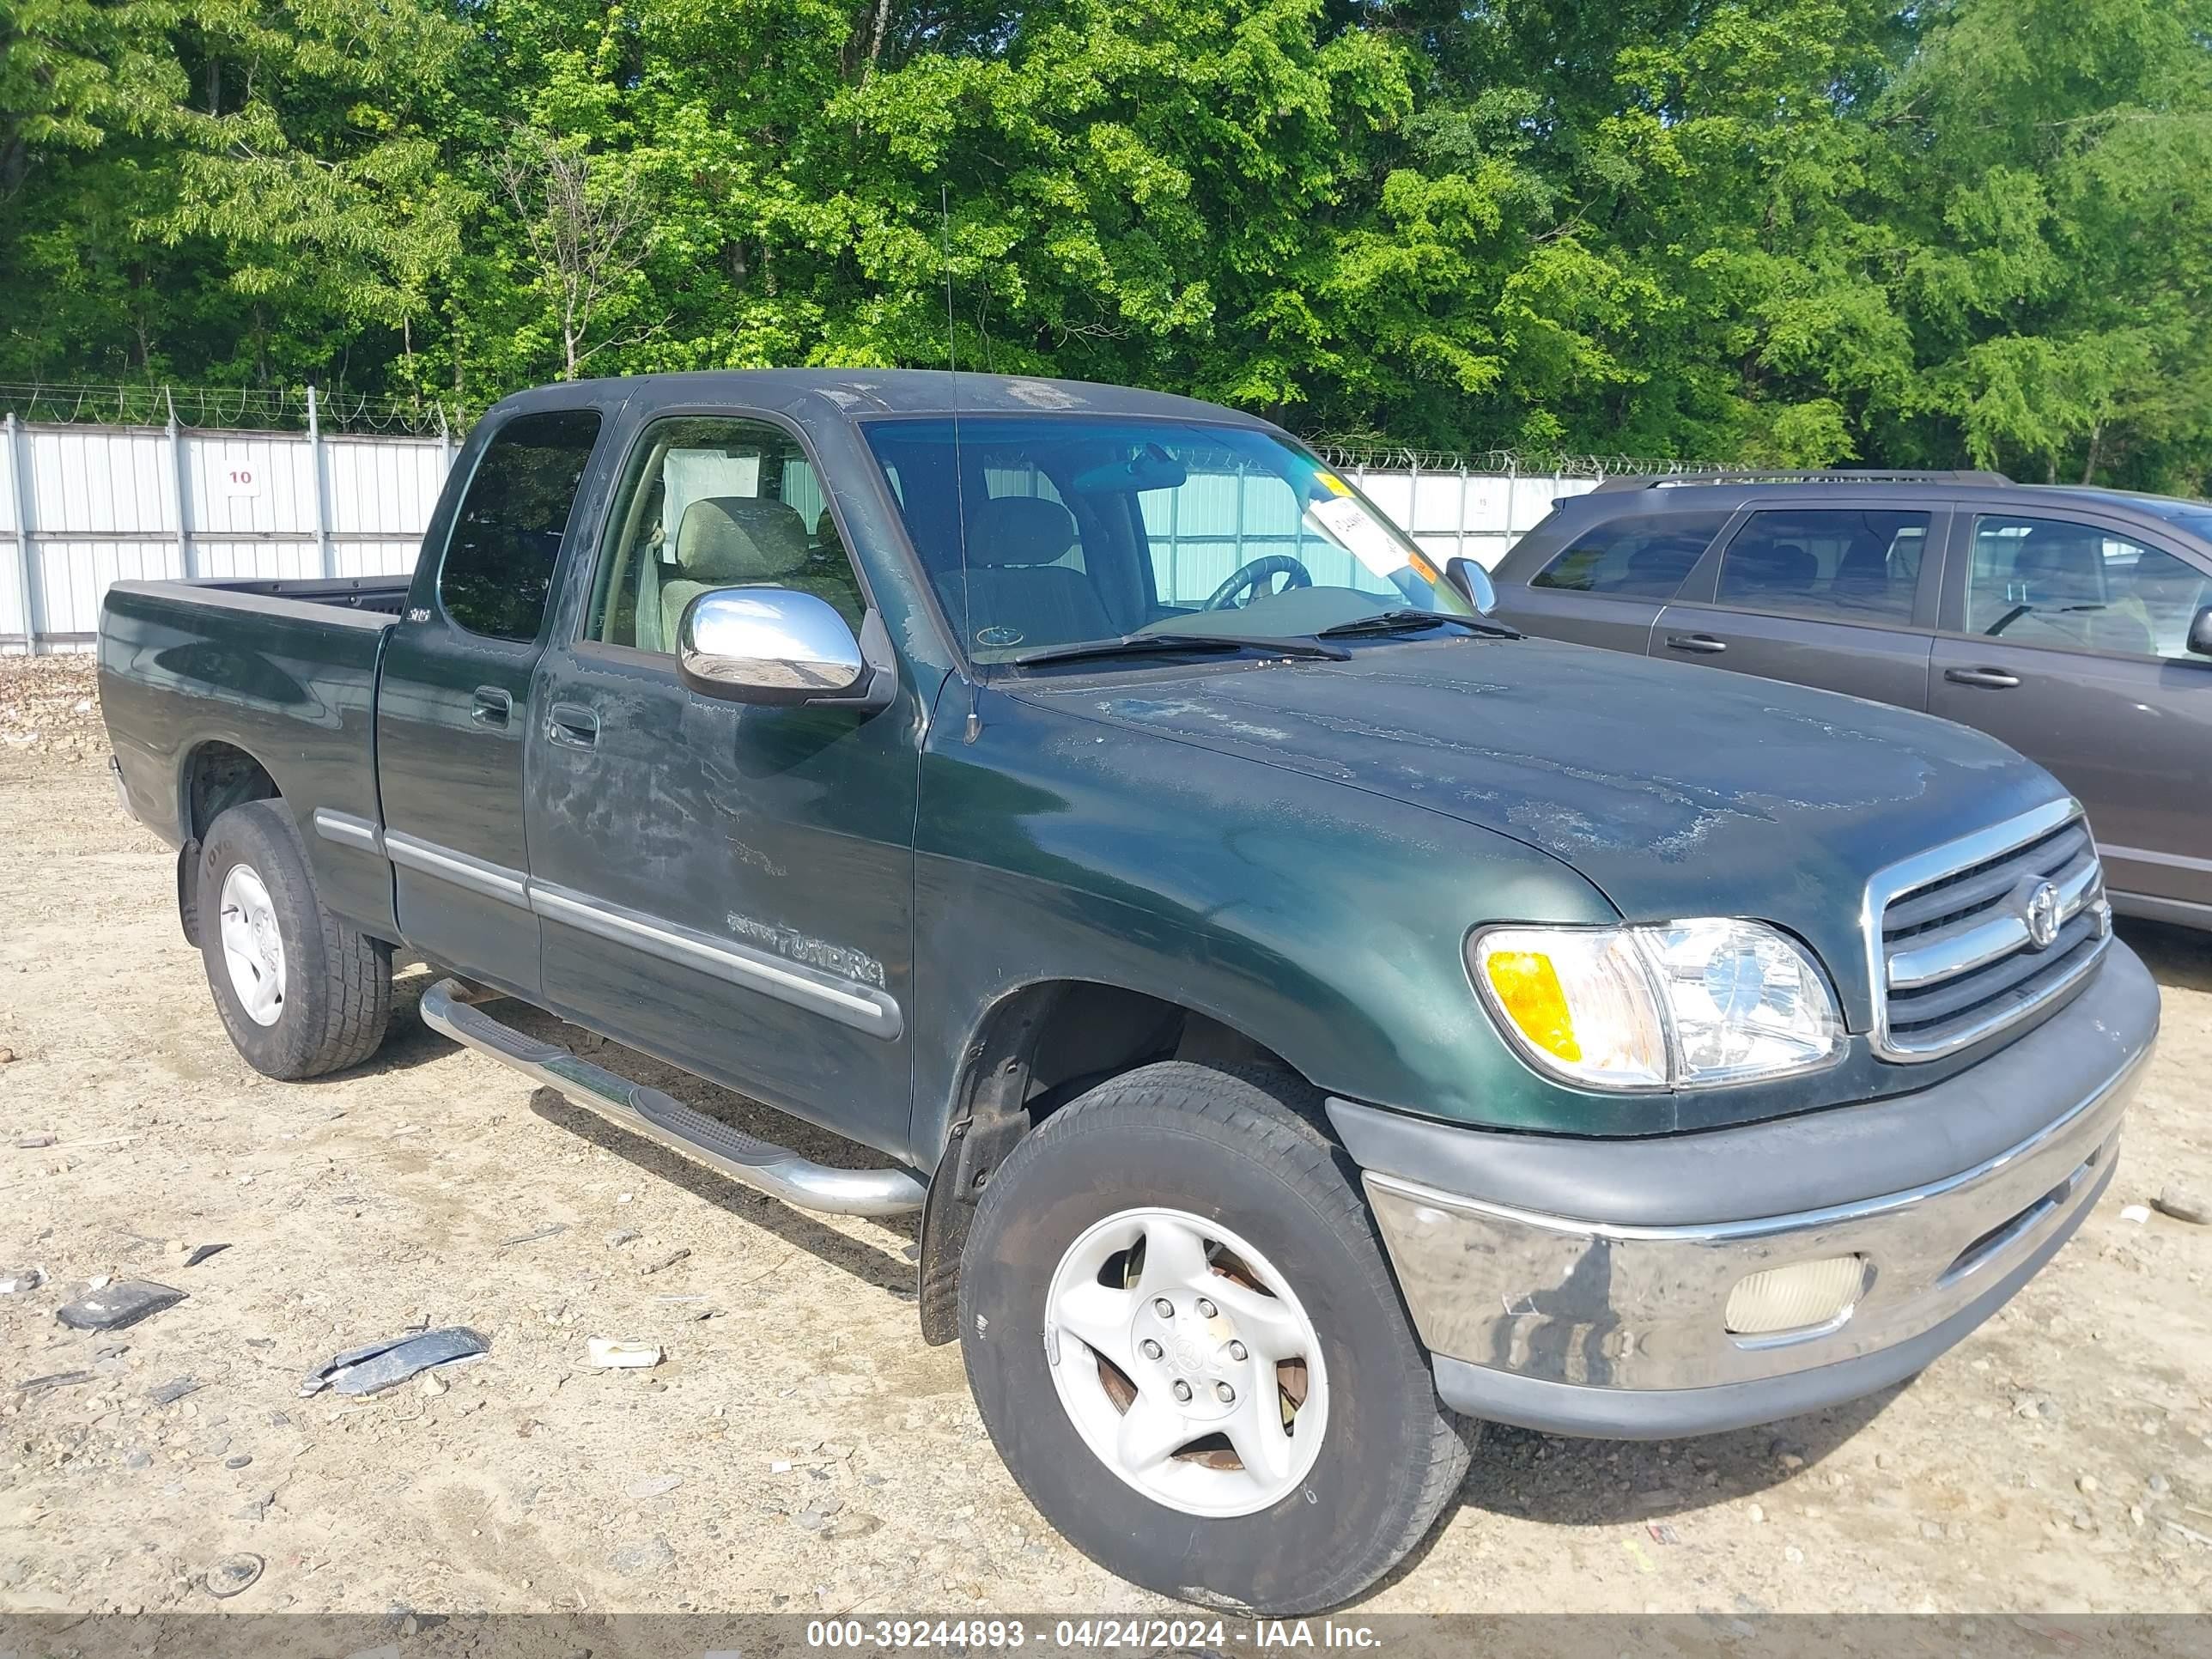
x: 1677, y: 791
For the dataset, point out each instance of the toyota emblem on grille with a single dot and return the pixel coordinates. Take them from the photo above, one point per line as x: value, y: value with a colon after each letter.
x: 2040, y: 912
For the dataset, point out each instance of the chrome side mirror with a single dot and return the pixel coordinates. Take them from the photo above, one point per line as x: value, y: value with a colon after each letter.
x: 2200, y: 632
x: 778, y: 645
x: 1473, y: 584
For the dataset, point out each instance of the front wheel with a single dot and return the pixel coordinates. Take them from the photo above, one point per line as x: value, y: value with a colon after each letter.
x: 1186, y: 1344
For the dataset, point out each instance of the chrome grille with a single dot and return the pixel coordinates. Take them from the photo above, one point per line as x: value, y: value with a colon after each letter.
x: 1952, y: 939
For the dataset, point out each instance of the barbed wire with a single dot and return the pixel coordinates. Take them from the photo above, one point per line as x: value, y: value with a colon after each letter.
x: 243, y: 408
x: 1525, y: 463
x: 283, y: 408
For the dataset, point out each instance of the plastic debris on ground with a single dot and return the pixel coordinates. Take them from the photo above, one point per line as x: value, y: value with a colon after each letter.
x: 113, y: 1307
x: 609, y: 1353
x: 13, y: 1281
x: 234, y: 1573
x: 382, y: 1365
x: 57, y: 1380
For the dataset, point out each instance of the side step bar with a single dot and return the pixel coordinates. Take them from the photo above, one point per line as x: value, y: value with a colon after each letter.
x: 776, y: 1170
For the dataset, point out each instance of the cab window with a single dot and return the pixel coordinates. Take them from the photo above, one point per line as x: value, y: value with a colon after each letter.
x: 712, y: 502
x: 497, y: 572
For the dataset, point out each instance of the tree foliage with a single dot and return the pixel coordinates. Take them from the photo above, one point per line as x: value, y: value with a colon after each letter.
x: 1781, y: 231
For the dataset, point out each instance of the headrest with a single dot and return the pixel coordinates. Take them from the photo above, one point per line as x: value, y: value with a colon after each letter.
x: 1020, y: 529
x: 725, y: 539
x: 1665, y: 558
x: 2067, y: 554
x: 1782, y: 566
x: 1866, y: 563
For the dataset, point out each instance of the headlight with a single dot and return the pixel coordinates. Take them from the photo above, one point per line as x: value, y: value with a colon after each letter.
x: 1677, y: 1005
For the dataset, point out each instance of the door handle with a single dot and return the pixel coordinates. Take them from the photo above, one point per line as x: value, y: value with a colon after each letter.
x: 572, y: 724
x: 491, y: 706
x: 1994, y: 679
x: 1704, y: 644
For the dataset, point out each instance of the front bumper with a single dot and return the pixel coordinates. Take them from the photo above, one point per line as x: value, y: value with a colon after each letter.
x: 1580, y: 1286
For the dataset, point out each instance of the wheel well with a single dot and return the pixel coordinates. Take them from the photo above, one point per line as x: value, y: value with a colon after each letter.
x: 1034, y: 1052
x: 1072, y: 1035
x: 1051, y: 1042
x: 218, y: 777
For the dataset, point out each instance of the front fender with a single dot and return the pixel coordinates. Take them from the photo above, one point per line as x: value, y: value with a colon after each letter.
x: 1317, y: 919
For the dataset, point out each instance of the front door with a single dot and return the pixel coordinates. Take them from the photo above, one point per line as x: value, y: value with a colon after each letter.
x: 453, y: 702
x: 727, y: 886
x: 2065, y: 638
x: 1829, y: 597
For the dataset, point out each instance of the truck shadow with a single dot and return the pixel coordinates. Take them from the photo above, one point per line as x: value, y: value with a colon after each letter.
x: 1563, y: 1482
x: 864, y: 1261
x: 1556, y: 1481
x: 408, y: 1042
x: 881, y: 1267
x: 2179, y: 958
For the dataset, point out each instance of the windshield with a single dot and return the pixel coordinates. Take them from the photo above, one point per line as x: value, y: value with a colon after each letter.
x: 1080, y: 528
x: 2190, y: 515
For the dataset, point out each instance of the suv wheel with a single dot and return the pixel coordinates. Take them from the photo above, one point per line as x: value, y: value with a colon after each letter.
x: 1185, y: 1341
x: 300, y: 993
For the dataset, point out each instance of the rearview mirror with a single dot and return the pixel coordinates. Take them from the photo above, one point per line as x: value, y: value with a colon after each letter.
x: 1150, y: 468
x: 778, y: 645
x: 1473, y: 584
x: 2200, y: 632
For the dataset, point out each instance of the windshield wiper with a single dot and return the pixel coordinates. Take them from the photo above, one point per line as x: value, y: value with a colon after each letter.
x: 1414, y: 621
x: 1142, y: 645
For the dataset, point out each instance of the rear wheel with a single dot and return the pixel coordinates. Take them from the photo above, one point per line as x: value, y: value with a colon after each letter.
x: 300, y: 993
x: 1174, y: 1283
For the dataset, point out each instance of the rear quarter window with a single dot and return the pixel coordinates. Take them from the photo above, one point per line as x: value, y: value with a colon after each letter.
x: 1639, y: 555
x: 497, y: 573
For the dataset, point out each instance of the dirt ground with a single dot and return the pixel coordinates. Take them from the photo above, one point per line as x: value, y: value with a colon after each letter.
x: 799, y: 1450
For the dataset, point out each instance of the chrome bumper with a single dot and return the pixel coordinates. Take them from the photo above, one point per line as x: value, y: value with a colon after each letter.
x: 1572, y: 1321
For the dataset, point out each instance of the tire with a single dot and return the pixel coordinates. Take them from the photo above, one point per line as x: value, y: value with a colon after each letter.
x: 332, y: 996
x: 1231, y: 1150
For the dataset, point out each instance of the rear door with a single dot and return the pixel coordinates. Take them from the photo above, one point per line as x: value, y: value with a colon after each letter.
x: 2064, y: 635
x: 1606, y: 586
x: 453, y: 700
x: 1840, y: 597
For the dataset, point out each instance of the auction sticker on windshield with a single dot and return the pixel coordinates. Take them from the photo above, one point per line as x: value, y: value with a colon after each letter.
x: 1359, y: 532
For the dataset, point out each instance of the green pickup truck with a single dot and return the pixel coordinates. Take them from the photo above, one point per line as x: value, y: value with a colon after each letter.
x: 1310, y: 1017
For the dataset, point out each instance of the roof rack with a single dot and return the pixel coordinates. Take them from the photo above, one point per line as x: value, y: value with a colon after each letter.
x: 1821, y: 475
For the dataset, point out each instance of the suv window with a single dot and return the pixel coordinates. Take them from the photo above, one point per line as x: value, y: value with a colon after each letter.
x: 1642, y: 554
x: 1851, y: 564
x: 2056, y: 581
x: 713, y: 501
x: 498, y: 568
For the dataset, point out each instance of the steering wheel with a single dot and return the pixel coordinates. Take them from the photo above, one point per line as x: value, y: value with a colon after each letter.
x: 1250, y: 578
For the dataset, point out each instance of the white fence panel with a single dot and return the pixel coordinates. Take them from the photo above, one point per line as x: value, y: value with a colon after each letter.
x: 102, y: 505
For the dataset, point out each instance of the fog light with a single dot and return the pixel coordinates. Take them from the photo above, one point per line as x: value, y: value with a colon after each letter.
x: 1798, y: 1297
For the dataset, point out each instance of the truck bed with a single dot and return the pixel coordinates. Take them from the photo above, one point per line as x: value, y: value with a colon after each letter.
x: 386, y: 596
x: 203, y: 683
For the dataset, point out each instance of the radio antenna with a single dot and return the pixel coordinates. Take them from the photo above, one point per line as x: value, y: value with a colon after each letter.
x: 975, y: 727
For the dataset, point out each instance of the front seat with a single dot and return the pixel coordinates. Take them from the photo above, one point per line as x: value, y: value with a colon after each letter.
x: 1780, y: 568
x: 1016, y: 595
x: 2060, y: 571
x: 724, y: 540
